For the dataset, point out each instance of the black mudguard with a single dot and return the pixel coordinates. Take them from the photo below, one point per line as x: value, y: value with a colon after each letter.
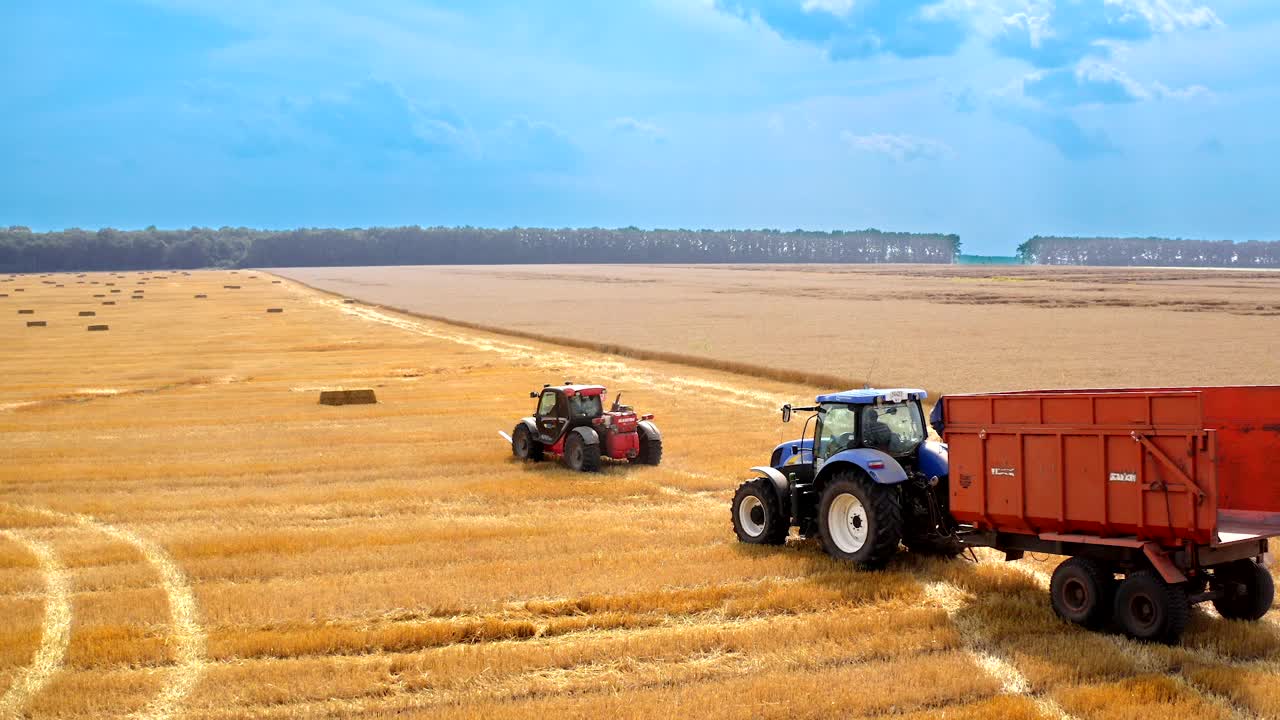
x: 649, y: 430
x: 589, y: 435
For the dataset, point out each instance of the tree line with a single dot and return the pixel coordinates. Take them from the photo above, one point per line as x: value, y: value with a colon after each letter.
x: 1149, y: 251
x: 22, y: 250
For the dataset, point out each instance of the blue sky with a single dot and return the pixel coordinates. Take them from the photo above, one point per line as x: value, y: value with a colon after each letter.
x: 996, y: 120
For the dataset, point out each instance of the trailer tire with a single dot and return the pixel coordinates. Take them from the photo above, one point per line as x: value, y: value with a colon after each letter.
x: 581, y: 456
x: 1083, y: 592
x: 1247, y: 590
x: 1148, y: 608
x: 859, y: 520
x: 757, y: 514
x: 650, y: 450
x: 523, y: 445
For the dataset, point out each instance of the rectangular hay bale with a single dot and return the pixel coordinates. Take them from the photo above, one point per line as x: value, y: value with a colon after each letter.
x: 201, y: 296
x: 26, y: 312
x: 108, y: 302
x: 94, y: 328
x: 275, y: 310
x: 348, y: 397
x: 87, y: 313
x: 36, y: 323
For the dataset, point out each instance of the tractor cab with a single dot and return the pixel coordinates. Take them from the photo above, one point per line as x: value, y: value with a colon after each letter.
x: 564, y: 407
x: 886, y: 421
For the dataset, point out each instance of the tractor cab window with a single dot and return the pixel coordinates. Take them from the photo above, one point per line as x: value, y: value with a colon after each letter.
x: 893, y: 429
x: 837, y: 429
x: 547, y: 403
x: 585, y: 406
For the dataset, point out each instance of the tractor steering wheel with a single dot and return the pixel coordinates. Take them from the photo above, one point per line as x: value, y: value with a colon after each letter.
x: 838, y: 443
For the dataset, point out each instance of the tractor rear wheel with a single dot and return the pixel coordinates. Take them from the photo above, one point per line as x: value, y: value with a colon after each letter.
x: 1148, y: 608
x: 523, y: 445
x: 579, y: 455
x: 757, y: 514
x: 1247, y: 590
x: 860, y: 520
x: 650, y: 450
x: 1082, y: 592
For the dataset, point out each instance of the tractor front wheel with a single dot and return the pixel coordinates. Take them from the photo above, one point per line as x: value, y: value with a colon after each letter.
x: 580, y: 456
x: 860, y: 520
x: 523, y: 445
x: 757, y: 514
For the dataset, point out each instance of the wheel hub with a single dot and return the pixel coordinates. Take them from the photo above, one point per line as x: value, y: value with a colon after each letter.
x: 1075, y: 594
x: 751, y: 515
x: 847, y: 519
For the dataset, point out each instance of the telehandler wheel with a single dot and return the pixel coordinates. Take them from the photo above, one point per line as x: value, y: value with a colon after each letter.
x: 757, y: 514
x: 860, y: 520
x: 1083, y: 592
x: 523, y: 445
x: 1247, y: 590
x: 580, y: 456
x: 650, y: 450
x: 1148, y: 608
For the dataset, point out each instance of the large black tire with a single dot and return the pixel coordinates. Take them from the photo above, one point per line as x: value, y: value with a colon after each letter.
x: 757, y: 514
x: 579, y: 455
x: 650, y: 450
x: 868, y: 528
x: 523, y: 445
x: 1148, y: 608
x: 1083, y: 592
x: 1247, y: 590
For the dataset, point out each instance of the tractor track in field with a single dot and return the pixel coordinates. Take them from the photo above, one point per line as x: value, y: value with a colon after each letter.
x: 188, y: 635
x: 55, y: 631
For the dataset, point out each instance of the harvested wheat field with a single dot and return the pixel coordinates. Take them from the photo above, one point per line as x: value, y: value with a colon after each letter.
x: 945, y: 328
x: 186, y: 532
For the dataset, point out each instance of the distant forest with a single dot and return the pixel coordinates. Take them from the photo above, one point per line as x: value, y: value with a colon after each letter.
x: 24, y: 251
x: 1160, y: 252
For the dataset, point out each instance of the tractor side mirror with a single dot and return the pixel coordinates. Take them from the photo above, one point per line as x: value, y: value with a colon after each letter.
x: 533, y: 393
x: 786, y: 413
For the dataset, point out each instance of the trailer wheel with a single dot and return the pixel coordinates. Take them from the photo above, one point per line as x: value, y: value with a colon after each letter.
x: 1247, y: 590
x: 757, y: 514
x: 580, y: 456
x: 650, y: 450
x: 860, y: 520
x: 523, y: 445
x: 1082, y: 592
x: 1148, y: 608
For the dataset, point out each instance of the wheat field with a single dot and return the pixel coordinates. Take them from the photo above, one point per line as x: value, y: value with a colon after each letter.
x: 186, y: 532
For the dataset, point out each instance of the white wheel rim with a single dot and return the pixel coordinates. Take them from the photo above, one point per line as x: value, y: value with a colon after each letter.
x: 745, y: 508
x: 847, y: 519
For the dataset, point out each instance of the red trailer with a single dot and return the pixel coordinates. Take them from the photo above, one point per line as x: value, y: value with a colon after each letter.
x: 1175, y: 489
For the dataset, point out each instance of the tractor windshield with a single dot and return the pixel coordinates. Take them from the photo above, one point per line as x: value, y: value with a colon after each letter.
x: 894, y: 429
x: 585, y: 406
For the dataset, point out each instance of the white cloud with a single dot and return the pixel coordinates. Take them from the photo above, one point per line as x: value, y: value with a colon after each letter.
x: 637, y: 127
x: 902, y: 148
x: 1094, y: 82
x: 839, y: 8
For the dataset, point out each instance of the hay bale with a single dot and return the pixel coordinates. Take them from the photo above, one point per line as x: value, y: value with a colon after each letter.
x: 115, y: 291
x: 87, y: 313
x: 231, y: 287
x: 19, y: 289
x: 4, y: 294
x: 347, y: 301
x: 137, y: 297
x: 99, y: 295
x: 26, y: 312
x: 275, y: 310
x: 275, y: 282
x: 109, y: 302
x: 110, y: 284
x: 36, y: 323
x: 201, y: 296
x: 97, y: 328
x: 348, y: 397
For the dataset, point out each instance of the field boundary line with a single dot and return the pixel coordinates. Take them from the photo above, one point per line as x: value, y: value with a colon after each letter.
x: 762, y: 372
x: 188, y: 635
x: 55, y: 631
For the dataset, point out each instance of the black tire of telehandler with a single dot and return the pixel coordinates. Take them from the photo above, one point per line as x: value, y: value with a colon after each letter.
x: 1148, y: 608
x: 1082, y: 591
x: 579, y: 455
x: 650, y: 450
x: 884, y: 518
x: 523, y: 445
x: 1248, y: 590
x: 775, y: 526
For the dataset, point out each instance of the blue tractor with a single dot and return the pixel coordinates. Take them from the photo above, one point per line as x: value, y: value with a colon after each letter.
x: 863, y: 477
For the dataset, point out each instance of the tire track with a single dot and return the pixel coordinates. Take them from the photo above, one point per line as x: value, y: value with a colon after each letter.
x: 55, y: 632
x: 188, y: 635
